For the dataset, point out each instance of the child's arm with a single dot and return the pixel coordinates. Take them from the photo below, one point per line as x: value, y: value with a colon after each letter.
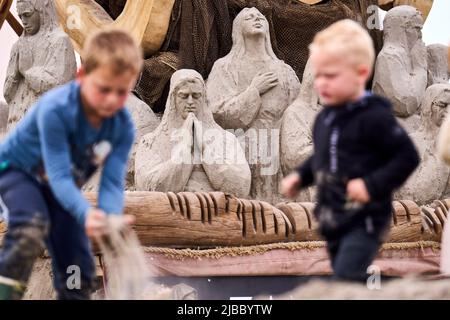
x: 300, y: 178
x: 112, y: 185
x: 57, y: 163
x: 306, y: 174
x: 391, y: 142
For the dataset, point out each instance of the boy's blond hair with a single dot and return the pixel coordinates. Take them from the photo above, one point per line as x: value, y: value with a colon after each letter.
x: 347, y: 39
x: 114, y: 48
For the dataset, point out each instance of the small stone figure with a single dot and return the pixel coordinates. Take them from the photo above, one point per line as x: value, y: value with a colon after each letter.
x: 41, y: 59
x: 438, y: 69
x: 431, y: 179
x: 401, y: 67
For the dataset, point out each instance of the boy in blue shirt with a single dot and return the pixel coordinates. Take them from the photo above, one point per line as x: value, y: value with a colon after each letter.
x: 50, y: 155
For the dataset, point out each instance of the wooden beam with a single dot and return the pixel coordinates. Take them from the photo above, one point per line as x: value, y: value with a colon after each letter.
x: 215, y: 219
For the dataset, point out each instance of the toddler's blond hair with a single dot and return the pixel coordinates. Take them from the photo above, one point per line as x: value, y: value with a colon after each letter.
x: 348, y: 40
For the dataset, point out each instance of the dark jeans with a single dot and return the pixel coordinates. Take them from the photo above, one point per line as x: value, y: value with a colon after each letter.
x: 35, y: 220
x: 352, y: 253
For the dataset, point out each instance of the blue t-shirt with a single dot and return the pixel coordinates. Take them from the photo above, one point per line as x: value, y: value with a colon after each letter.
x: 55, y: 141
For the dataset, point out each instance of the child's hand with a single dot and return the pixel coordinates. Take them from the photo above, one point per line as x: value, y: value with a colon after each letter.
x: 95, y: 223
x: 129, y: 219
x: 290, y: 185
x: 357, y: 191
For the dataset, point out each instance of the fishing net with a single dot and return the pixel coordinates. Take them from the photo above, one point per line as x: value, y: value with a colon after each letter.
x: 128, y: 272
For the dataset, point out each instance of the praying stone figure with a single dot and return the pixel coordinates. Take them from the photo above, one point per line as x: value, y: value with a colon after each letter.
x: 438, y: 68
x: 296, y: 129
x: 431, y: 180
x: 401, y: 67
x: 41, y: 59
x: 248, y: 91
x: 145, y: 121
x: 189, y: 151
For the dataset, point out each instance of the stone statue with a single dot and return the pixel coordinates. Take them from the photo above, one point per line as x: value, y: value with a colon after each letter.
x: 248, y: 91
x: 41, y: 59
x: 431, y: 180
x: 189, y: 151
x: 145, y: 122
x: 296, y: 126
x: 296, y: 129
x: 438, y: 68
x: 401, y: 67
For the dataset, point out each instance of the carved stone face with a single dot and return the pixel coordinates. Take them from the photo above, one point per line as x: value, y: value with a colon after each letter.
x: 30, y: 17
x: 414, y: 30
x: 404, y: 20
x: 440, y: 106
x: 188, y: 98
x: 254, y: 23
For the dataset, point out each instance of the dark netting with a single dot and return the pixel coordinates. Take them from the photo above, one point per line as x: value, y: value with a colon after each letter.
x: 205, y: 33
x: 200, y: 33
x: 154, y: 77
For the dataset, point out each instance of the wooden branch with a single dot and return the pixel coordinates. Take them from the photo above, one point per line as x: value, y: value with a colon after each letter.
x: 423, y: 5
x: 15, y: 25
x: 5, y: 5
x: 147, y: 20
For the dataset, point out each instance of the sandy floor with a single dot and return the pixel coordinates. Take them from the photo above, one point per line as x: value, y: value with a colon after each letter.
x: 40, y: 286
x: 410, y: 288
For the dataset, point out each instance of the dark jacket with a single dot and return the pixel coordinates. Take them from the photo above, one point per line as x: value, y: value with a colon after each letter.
x: 357, y: 140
